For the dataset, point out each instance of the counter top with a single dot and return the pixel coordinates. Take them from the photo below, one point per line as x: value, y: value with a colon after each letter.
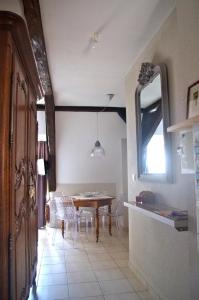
x: 176, y: 218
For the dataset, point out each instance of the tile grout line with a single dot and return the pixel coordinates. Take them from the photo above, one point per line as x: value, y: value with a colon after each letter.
x: 86, y: 251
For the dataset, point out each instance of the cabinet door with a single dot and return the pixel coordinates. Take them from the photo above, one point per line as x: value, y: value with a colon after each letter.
x: 32, y: 205
x: 5, y: 95
x: 19, y: 202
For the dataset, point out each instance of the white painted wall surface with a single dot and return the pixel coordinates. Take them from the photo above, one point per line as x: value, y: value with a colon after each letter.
x: 167, y: 259
x: 76, y: 133
x: 12, y: 5
x: 41, y: 119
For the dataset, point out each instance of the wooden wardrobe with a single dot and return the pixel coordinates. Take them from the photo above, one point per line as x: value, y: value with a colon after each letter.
x: 19, y: 90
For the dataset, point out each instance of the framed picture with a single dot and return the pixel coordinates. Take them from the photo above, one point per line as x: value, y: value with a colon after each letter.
x: 193, y: 100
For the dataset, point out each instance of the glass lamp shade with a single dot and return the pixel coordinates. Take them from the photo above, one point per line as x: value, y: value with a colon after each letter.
x: 98, y: 150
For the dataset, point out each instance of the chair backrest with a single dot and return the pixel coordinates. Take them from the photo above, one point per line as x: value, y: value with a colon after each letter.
x: 119, y: 207
x: 59, y: 206
x: 69, y: 208
x: 65, y: 209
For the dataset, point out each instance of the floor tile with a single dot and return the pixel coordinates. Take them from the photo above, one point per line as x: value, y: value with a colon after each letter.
x: 52, y: 269
x: 112, y: 241
x: 53, y: 279
x: 80, y: 277
x: 127, y: 272
x: 102, y: 265
x: 120, y: 255
x: 99, y: 257
x: 134, y: 281
x: 53, y: 260
x: 53, y: 252
x: 84, y: 269
x: 84, y: 289
x: 89, y: 298
x: 113, y: 249
x: 137, y: 284
x: 116, y: 286
x: 75, y: 266
x: 126, y: 296
x: 109, y: 274
x: 122, y: 262
x: 81, y: 257
x: 95, y: 250
x: 93, y: 246
x: 74, y: 251
x: 52, y: 292
x: 145, y: 296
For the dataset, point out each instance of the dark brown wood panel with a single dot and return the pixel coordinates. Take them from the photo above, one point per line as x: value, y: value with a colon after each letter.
x: 18, y: 185
x: 50, y: 120
x: 5, y: 95
x: 32, y: 204
x: 34, y: 22
x: 16, y: 26
x: 18, y: 214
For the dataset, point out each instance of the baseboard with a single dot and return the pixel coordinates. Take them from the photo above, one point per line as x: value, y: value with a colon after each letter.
x: 156, y: 295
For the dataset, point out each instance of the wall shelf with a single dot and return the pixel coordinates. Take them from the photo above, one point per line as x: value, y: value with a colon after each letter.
x: 173, y: 217
x: 184, y: 125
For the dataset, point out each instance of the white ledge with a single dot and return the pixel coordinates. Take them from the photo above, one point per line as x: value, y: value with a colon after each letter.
x: 162, y: 213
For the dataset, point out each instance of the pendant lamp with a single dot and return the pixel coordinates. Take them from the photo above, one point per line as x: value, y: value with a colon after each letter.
x: 98, y: 150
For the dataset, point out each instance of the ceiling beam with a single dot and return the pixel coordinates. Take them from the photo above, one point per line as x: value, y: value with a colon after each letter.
x: 120, y: 110
x: 33, y: 18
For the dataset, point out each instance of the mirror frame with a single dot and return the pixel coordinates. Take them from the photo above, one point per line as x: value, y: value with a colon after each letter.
x: 147, y: 74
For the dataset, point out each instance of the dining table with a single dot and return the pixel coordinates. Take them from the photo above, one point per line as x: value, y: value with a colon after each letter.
x: 95, y: 202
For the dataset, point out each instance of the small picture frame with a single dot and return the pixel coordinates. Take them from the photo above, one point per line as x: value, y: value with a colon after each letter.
x: 193, y: 100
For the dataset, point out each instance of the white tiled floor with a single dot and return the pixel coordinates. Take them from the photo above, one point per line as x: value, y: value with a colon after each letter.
x: 85, y: 269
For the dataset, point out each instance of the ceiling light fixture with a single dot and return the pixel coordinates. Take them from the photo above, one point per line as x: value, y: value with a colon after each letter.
x: 94, y: 40
x: 98, y: 150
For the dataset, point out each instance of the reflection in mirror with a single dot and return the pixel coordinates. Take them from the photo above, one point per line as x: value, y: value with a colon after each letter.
x: 152, y: 121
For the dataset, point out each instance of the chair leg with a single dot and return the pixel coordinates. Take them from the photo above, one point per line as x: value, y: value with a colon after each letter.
x: 62, y: 228
x: 118, y: 225
x: 54, y: 233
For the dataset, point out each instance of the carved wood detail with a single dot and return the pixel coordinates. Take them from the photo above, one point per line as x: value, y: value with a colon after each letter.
x: 33, y: 18
x: 19, y: 173
x: 146, y: 73
x: 18, y: 229
x: 16, y: 25
x: 31, y: 186
x: 34, y: 22
x: 19, y: 218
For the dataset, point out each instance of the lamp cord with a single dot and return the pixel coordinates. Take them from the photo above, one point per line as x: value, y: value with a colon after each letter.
x: 103, y: 109
x: 97, y: 126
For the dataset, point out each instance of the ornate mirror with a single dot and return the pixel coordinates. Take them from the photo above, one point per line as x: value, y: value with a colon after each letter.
x: 152, y: 120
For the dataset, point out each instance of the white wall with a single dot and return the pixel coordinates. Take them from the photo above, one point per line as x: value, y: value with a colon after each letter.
x: 76, y: 133
x: 12, y: 5
x: 168, y: 260
x: 41, y: 119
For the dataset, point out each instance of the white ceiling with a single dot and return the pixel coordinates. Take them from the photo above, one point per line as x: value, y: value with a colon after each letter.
x: 82, y: 75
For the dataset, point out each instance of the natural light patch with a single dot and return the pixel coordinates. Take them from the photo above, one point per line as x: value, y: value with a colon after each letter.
x: 40, y: 167
x: 42, y: 137
x: 41, y: 101
x: 156, y: 162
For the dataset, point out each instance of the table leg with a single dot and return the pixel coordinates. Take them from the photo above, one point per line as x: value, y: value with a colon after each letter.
x: 97, y: 225
x: 110, y: 221
x: 78, y: 218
